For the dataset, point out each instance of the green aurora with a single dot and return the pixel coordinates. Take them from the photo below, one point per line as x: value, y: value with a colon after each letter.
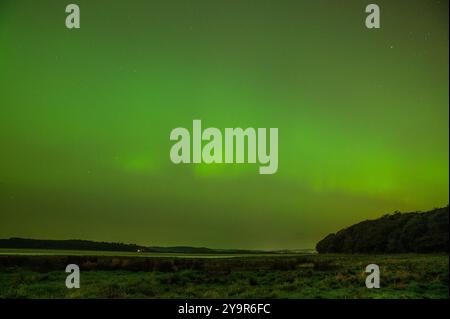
x: 85, y: 118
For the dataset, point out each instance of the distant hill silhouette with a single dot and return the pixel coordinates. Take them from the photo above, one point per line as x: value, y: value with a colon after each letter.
x: 395, y: 233
x: 75, y: 244
x: 72, y: 244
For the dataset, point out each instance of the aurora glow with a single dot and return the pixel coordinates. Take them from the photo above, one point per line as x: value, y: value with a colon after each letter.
x: 85, y: 117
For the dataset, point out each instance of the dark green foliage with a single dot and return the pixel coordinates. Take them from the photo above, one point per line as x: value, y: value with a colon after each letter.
x: 396, y: 233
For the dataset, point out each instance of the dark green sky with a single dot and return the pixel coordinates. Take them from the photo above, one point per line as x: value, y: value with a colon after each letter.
x: 85, y: 118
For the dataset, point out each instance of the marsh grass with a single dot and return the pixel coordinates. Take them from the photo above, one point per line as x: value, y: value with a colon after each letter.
x: 311, y: 276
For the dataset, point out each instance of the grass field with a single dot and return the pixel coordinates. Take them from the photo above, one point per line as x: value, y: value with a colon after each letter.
x: 251, y: 276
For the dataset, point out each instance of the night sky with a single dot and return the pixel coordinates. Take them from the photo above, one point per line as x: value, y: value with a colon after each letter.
x: 85, y: 118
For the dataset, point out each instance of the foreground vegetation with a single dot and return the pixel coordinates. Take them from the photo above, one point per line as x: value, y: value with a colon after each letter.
x: 311, y: 276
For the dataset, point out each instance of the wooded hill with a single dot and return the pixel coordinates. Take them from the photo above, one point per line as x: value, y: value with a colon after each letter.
x: 418, y: 232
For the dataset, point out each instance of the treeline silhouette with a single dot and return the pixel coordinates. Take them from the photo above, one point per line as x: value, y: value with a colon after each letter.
x: 71, y: 244
x: 76, y: 244
x: 395, y: 233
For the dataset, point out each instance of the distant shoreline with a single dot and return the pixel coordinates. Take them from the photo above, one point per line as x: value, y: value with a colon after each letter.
x: 69, y: 252
x: 87, y: 245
